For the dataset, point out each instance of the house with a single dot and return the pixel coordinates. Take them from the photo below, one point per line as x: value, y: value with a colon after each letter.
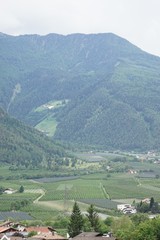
x: 40, y: 230
x: 7, y: 224
x: 123, y: 206
x: 7, y: 230
x: 130, y: 210
x: 93, y: 236
x: 53, y: 236
x: 9, y: 191
x: 146, y: 200
x: 126, y: 208
x: 5, y: 237
x: 20, y: 233
x: 131, y: 171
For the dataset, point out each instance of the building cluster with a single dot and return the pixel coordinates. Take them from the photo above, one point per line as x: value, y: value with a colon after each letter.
x: 126, y: 208
x: 15, y: 231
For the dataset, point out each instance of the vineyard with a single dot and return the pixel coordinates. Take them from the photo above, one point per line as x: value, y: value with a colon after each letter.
x: 20, y: 216
x: 74, y: 189
x: 6, y: 200
x: 102, y: 203
x: 49, y: 197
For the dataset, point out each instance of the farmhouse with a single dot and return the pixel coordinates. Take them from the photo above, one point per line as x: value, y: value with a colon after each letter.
x: 9, y: 191
x: 93, y: 236
x: 126, y: 208
x: 123, y: 206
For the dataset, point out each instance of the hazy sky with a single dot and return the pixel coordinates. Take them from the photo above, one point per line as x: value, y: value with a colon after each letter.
x: 136, y: 20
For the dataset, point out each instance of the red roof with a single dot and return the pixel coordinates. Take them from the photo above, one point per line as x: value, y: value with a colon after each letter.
x: 40, y: 230
x: 7, y: 229
x: 55, y: 236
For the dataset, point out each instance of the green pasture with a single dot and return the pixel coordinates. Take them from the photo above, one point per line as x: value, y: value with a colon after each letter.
x: 48, y: 125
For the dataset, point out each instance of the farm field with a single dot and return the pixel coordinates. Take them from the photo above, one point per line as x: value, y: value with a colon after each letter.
x: 7, y: 199
x: 118, y: 186
x: 73, y: 190
x: 52, y: 196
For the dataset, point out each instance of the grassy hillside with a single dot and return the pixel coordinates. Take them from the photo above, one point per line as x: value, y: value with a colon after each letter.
x: 109, y: 86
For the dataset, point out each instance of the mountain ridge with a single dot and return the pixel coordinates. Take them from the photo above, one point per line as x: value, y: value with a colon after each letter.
x: 111, y: 87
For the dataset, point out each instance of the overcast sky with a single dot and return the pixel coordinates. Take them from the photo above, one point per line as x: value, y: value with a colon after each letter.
x: 136, y: 20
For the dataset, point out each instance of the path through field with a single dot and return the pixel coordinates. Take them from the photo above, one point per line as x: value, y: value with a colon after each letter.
x: 58, y: 205
x: 41, y: 191
x: 146, y: 186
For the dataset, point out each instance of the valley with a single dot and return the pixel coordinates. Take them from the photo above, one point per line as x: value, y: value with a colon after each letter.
x: 104, y: 179
x: 79, y: 124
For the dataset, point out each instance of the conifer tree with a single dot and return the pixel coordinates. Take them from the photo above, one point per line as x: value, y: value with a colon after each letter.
x: 93, y: 218
x: 76, y: 221
x: 21, y: 189
x: 151, y: 203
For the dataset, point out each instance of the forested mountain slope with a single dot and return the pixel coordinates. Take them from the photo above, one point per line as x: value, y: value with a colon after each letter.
x: 21, y: 145
x: 111, y: 88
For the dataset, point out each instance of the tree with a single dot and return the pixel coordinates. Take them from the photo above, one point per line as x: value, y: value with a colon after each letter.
x: 138, y: 218
x: 122, y: 227
x: 21, y: 189
x: 76, y: 221
x: 155, y: 208
x: 2, y: 190
x: 145, y: 230
x: 32, y: 233
x: 143, y: 207
x: 93, y: 218
x: 151, y: 203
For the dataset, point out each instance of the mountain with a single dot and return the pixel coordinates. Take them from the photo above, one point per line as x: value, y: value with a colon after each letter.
x: 23, y: 146
x: 95, y: 89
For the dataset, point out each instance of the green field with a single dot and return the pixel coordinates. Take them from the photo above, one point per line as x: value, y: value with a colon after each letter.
x: 47, y: 126
x: 50, y: 197
x: 73, y: 189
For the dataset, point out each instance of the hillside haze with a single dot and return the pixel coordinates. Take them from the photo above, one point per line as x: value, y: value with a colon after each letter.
x: 95, y: 89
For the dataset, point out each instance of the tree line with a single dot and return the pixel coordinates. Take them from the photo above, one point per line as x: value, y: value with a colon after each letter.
x: 127, y: 227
